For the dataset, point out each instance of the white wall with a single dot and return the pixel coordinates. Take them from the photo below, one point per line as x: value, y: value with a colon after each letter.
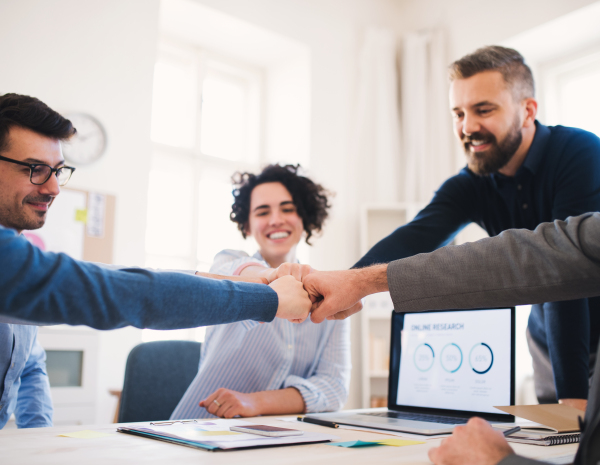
x: 470, y: 24
x: 95, y: 57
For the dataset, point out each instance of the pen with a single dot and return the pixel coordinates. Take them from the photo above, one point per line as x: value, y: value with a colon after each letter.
x: 314, y: 421
x: 508, y: 432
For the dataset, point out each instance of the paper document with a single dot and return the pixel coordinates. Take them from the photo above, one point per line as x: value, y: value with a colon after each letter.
x: 216, y: 435
x: 558, y: 418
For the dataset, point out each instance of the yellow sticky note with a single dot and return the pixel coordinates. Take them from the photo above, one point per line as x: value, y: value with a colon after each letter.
x: 399, y: 442
x: 213, y: 433
x: 81, y: 216
x: 85, y: 434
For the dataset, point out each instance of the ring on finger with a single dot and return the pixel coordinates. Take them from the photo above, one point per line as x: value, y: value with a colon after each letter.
x: 216, y: 402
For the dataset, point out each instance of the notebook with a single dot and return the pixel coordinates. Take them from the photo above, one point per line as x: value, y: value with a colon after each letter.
x: 552, y: 424
x: 445, y: 367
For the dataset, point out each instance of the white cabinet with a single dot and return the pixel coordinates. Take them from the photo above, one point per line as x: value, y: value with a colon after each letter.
x: 72, y: 362
x: 376, y: 222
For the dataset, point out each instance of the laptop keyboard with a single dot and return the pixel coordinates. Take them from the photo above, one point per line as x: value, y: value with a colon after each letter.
x: 420, y: 417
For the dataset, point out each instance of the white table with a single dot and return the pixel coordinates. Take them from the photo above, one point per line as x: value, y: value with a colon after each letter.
x: 44, y: 446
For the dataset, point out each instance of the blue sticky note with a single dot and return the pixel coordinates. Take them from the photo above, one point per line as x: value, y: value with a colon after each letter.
x: 355, y: 444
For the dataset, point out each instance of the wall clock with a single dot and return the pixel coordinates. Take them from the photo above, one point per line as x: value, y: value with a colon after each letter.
x: 88, y: 144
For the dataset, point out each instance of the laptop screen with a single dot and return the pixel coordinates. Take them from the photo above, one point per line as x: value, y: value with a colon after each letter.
x: 460, y: 360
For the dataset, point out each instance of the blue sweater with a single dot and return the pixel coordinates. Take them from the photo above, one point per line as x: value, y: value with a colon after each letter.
x: 560, y: 177
x: 49, y: 288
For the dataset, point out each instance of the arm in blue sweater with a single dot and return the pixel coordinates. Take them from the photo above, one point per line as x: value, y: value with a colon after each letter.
x: 48, y: 288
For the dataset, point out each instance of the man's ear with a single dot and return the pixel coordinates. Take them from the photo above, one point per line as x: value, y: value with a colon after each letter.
x: 247, y: 229
x: 530, y: 107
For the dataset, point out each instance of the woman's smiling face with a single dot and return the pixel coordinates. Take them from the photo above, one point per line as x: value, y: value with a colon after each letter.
x: 274, y: 221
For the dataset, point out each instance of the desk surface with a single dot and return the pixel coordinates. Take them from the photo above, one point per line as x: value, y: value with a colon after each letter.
x: 44, y: 446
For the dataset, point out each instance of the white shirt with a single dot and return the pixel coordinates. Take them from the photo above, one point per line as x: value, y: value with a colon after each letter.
x: 250, y: 357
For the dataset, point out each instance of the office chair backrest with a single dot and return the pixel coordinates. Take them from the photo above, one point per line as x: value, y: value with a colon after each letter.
x: 156, y: 377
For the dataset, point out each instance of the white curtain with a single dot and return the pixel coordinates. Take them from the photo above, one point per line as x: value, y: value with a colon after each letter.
x: 426, y: 125
x: 375, y: 159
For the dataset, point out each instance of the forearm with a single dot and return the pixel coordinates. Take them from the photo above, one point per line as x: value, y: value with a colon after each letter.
x: 256, y: 272
x: 372, y: 279
x: 256, y: 277
x: 279, y: 402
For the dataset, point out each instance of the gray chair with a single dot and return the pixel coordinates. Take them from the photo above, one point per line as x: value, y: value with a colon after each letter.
x: 156, y: 377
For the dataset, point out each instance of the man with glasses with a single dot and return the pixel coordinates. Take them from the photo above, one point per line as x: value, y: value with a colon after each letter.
x: 52, y: 288
x: 32, y: 170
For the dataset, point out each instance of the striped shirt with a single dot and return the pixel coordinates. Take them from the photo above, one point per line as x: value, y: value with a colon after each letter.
x: 250, y: 357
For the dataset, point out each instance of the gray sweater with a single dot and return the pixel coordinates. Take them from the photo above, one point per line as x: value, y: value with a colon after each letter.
x: 557, y: 261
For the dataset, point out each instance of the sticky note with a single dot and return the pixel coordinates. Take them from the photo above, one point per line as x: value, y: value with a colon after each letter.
x: 385, y: 442
x: 355, y: 444
x: 85, y: 434
x: 213, y: 433
x: 399, y: 442
x: 81, y: 216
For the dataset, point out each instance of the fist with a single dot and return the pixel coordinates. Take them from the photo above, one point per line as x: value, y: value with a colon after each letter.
x: 294, y: 304
x: 296, y: 270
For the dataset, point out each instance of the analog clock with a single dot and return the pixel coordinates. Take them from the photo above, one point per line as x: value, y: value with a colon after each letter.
x: 88, y: 144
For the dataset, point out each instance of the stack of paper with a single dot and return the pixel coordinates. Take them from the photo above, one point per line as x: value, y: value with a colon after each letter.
x: 215, y: 435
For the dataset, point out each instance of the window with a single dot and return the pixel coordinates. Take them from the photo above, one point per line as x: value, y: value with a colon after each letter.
x: 205, y: 126
x: 571, y: 92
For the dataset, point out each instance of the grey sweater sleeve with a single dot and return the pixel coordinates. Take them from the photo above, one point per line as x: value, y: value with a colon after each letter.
x: 557, y: 261
x: 518, y: 460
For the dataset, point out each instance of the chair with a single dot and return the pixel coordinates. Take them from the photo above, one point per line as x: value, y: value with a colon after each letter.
x: 157, y: 375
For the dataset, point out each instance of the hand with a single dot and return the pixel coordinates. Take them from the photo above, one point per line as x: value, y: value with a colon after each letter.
x: 226, y: 403
x: 337, y: 294
x: 476, y: 443
x: 294, y: 304
x: 296, y: 270
x: 580, y: 404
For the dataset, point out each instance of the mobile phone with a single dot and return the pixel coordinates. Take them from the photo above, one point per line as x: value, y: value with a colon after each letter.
x: 264, y: 430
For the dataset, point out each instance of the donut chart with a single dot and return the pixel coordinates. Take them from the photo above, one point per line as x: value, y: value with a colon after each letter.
x: 424, y: 357
x: 481, y: 358
x: 451, y: 358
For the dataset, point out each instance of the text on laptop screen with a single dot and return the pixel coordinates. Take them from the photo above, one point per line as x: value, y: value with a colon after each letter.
x: 458, y: 360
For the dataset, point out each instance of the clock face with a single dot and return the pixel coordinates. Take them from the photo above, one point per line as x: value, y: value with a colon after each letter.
x: 88, y: 144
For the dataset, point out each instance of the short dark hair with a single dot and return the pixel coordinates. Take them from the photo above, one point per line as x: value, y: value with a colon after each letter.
x: 309, y: 198
x: 507, y: 61
x: 31, y: 113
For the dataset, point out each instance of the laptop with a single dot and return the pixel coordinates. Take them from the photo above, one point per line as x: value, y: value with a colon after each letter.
x: 445, y: 367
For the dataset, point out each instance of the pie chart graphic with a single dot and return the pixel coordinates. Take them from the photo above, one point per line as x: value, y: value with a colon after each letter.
x: 451, y: 358
x: 481, y: 358
x: 424, y: 357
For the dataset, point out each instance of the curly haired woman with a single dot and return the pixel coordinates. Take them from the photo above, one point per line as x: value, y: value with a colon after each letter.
x: 249, y: 369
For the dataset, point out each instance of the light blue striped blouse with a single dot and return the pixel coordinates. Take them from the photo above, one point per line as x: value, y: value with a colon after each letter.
x: 251, y: 357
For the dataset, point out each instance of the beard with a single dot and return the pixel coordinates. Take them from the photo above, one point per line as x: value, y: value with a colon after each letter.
x: 498, y: 155
x: 20, y: 218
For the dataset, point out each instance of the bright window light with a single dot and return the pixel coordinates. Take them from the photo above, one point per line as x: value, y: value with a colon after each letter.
x: 580, y: 100
x: 223, y: 121
x: 216, y: 231
x: 170, y: 199
x: 174, y: 104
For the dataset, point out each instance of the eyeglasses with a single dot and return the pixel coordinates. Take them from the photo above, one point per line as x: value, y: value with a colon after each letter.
x: 39, y: 173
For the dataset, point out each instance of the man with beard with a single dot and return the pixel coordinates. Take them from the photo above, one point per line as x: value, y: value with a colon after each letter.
x: 519, y: 174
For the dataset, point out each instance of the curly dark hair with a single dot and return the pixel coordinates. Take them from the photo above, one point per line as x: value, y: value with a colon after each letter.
x: 309, y: 198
